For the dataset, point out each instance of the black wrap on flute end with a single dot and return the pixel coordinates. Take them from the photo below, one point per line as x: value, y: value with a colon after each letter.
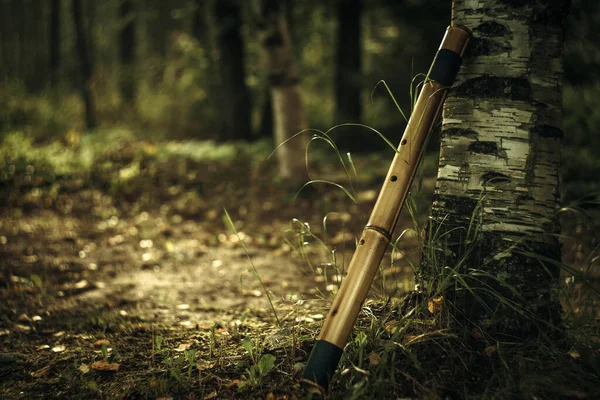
x: 445, y: 67
x: 321, y: 366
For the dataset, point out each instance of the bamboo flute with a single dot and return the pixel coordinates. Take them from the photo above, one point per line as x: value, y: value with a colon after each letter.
x: 376, y: 235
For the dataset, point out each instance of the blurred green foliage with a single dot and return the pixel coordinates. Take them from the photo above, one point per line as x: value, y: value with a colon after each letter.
x: 177, y: 88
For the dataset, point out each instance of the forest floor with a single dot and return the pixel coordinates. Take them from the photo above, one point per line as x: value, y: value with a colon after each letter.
x: 125, y: 278
x: 118, y: 286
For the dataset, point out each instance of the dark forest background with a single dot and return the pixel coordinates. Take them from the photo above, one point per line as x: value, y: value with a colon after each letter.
x: 163, y: 70
x: 127, y: 127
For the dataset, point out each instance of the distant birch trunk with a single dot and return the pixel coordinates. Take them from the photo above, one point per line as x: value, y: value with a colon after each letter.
x: 500, y: 154
x: 289, y: 115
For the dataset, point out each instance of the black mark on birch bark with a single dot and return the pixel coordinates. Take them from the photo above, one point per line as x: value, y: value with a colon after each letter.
x: 484, y: 147
x: 460, y: 132
x: 491, y: 29
x: 494, y: 87
x: 515, y: 3
x: 492, y: 177
x: 462, y: 206
x: 485, y: 47
x: 547, y: 131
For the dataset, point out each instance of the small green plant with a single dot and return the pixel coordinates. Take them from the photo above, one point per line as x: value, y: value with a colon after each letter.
x: 212, y: 342
x: 261, y: 364
x: 252, y: 268
x: 190, y: 356
x: 104, y: 351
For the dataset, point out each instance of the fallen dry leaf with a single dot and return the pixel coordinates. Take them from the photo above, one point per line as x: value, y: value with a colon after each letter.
x: 22, y: 328
x: 42, y: 347
x: 233, y: 383
x: 205, y: 364
x: 374, y: 358
x: 408, y: 339
x: 272, y: 396
x: 574, y: 354
x: 489, y: 351
x: 184, y: 346
x: 252, y: 293
x: 392, y: 327
x: 84, y: 368
x: 476, y: 333
x: 222, y: 331
x: 435, y: 306
x: 187, y: 324
x: 24, y: 318
x: 40, y: 372
x: 59, y: 348
x: 105, y: 366
x: 211, y: 395
x: 574, y: 394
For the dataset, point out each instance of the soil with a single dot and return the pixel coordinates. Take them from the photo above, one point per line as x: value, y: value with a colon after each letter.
x: 106, y: 294
x: 145, y: 289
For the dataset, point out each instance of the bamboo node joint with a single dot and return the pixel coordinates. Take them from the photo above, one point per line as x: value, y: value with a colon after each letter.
x: 381, y: 231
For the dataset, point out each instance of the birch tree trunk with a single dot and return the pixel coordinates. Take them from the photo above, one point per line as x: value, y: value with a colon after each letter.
x: 289, y: 115
x: 499, y: 159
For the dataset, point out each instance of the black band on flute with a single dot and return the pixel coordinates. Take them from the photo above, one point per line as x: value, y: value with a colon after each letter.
x: 445, y: 67
x: 321, y: 365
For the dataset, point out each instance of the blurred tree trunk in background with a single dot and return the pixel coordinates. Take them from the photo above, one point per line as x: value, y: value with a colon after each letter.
x: 6, y: 42
x: 289, y: 115
x: 265, y: 127
x: 85, y: 65
x: 233, y: 95
x: 348, y: 82
x: 159, y: 27
x: 200, y: 24
x: 35, y: 47
x: 163, y: 26
x: 16, y: 15
x: 128, y: 49
x: 205, y: 35
x: 55, y: 42
x: 497, y: 188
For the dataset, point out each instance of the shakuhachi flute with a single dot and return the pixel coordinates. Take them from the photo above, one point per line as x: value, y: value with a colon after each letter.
x: 376, y: 235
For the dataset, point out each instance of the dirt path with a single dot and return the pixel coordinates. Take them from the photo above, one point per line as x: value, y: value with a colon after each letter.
x: 91, y: 278
x: 170, y: 274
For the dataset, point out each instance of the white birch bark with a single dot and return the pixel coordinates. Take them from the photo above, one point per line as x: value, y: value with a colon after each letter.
x: 500, y: 145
